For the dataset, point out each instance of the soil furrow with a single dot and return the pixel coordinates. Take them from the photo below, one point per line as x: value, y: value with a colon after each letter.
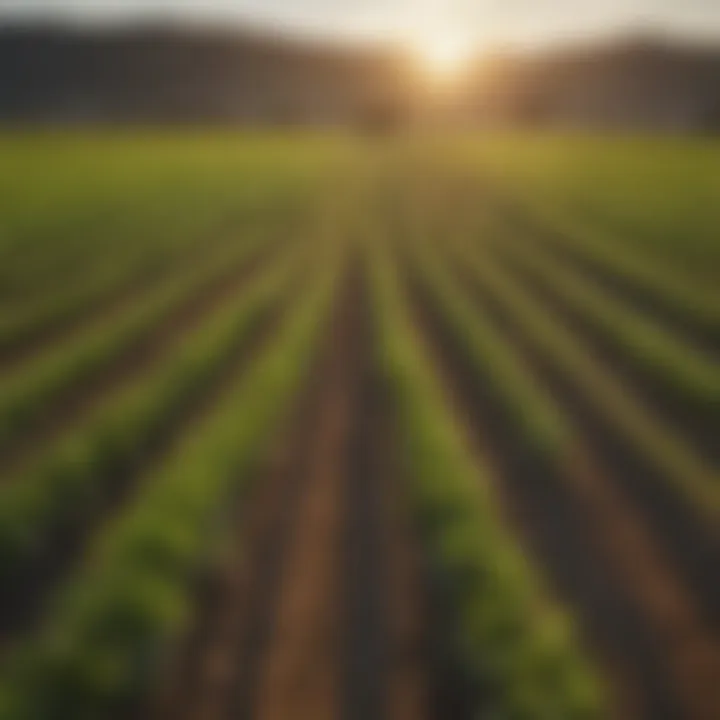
x: 678, y: 622
x: 319, y: 613
x: 695, y: 331
x: 23, y: 604
x: 695, y: 424
x: 217, y: 664
x: 690, y: 546
x: 105, y: 307
x: 79, y: 398
x: 302, y: 667
x: 552, y: 522
x: 512, y: 213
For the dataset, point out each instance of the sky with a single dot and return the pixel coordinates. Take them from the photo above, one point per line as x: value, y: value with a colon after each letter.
x: 480, y: 22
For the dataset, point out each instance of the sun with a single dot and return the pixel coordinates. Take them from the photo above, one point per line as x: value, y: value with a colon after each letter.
x: 444, y: 57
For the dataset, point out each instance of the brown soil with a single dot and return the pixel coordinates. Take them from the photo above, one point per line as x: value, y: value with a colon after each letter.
x: 701, y: 334
x: 691, y: 545
x: 22, y: 603
x: 320, y: 613
x: 693, y: 420
x: 692, y: 652
x: 622, y: 592
x: 79, y: 398
x: 678, y: 613
x: 104, y: 307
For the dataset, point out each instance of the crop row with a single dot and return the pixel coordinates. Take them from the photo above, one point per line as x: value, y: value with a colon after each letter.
x: 674, y: 460
x: 27, y: 393
x: 116, y: 620
x: 695, y: 302
x: 69, y: 480
x: 560, y: 452
x: 148, y: 243
x: 518, y: 650
x: 110, y: 277
x: 641, y: 339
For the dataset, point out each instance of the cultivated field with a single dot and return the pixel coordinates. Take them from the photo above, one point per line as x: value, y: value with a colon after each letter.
x: 305, y: 428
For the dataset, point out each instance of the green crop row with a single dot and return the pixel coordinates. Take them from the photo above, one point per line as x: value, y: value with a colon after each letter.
x: 109, y: 630
x: 675, y: 461
x: 26, y: 394
x: 535, y: 411
x: 127, y: 264
x: 114, y: 243
x: 65, y: 272
x: 668, y: 290
x: 518, y: 649
x: 62, y: 488
x: 642, y: 340
x: 657, y: 195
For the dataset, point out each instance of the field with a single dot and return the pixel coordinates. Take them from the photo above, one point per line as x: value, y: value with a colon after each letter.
x: 310, y: 427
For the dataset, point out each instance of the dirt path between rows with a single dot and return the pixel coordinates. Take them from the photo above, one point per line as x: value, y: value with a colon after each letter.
x: 23, y: 602
x: 551, y: 528
x: 317, y: 612
x: 79, y: 398
x: 640, y: 616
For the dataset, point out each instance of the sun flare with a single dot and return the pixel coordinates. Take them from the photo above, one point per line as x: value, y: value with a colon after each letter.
x: 444, y: 57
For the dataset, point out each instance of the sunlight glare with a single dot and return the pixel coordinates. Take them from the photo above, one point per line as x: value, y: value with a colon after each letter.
x: 444, y: 57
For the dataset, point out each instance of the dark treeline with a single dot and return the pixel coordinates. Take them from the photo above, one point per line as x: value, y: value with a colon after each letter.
x: 638, y: 83
x: 158, y: 74
x: 181, y: 75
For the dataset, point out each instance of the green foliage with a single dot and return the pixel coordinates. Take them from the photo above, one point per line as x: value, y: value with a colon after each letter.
x: 63, y: 487
x: 109, y: 627
x: 642, y: 340
x: 26, y: 393
x: 520, y: 650
x: 533, y: 407
x: 676, y: 461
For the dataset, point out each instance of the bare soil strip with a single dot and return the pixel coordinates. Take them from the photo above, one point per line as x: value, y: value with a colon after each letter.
x: 22, y: 605
x: 319, y: 613
x: 700, y: 334
x: 674, y: 615
x: 106, y: 306
x: 689, y: 545
x: 79, y: 399
x: 553, y: 526
x: 695, y: 424
x: 216, y: 666
x: 34, y: 341
x: 365, y: 566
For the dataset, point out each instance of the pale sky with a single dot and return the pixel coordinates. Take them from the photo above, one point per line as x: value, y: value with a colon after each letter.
x: 482, y: 22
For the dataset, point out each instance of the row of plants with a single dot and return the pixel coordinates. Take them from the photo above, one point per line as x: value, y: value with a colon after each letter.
x: 696, y: 302
x: 541, y: 422
x: 133, y: 219
x: 111, y: 628
x: 641, y: 339
x: 130, y: 265
x: 676, y: 462
x: 68, y: 480
x: 518, y: 649
x: 29, y: 391
x: 656, y: 196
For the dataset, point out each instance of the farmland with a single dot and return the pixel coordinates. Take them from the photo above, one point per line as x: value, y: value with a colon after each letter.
x: 310, y: 426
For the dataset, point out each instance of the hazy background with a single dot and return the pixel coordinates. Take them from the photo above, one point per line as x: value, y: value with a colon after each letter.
x: 485, y: 21
x: 640, y: 64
